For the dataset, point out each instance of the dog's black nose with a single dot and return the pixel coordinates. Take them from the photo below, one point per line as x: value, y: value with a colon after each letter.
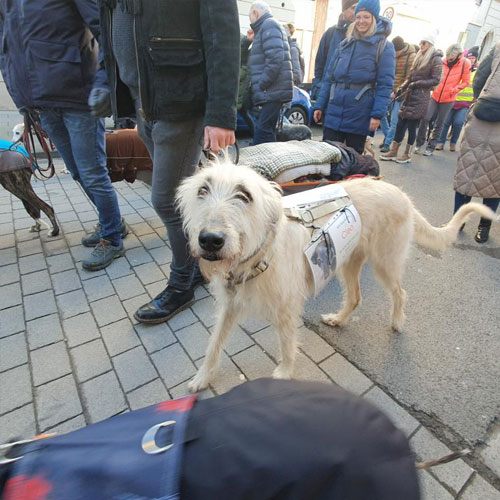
x: 211, y: 242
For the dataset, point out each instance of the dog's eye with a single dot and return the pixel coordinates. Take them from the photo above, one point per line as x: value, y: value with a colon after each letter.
x: 244, y: 196
x: 203, y: 191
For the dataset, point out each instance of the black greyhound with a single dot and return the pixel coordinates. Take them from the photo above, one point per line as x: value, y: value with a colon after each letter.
x: 15, y: 176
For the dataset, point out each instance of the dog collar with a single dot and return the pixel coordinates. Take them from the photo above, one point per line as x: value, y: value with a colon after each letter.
x: 257, y: 270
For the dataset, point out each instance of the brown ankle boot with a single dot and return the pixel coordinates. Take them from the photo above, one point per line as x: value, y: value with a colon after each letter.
x: 393, y: 153
x: 406, y: 156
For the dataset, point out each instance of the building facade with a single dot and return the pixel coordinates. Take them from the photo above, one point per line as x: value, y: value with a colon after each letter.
x: 484, y: 29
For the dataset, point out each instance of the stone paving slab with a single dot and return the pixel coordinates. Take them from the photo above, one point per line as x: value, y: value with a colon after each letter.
x: 72, y: 354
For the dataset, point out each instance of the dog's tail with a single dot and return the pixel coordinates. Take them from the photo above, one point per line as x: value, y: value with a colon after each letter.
x: 439, y: 238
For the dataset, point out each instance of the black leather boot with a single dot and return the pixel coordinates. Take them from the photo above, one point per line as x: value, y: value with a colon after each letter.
x: 165, y: 305
x: 483, y: 231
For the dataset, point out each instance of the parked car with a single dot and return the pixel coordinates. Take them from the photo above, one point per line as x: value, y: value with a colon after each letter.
x: 298, y: 112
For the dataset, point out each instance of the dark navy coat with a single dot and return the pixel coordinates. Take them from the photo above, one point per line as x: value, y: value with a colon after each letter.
x: 328, y: 44
x: 49, y: 53
x: 270, y: 62
x: 355, y: 63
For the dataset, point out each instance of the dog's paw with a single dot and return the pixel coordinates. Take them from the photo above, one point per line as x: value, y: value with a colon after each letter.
x: 64, y: 170
x: 35, y: 229
x: 54, y: 232
x: 282, y: 373
x: 332, y: 320
x: 397, y: 325
x: 199, y: 382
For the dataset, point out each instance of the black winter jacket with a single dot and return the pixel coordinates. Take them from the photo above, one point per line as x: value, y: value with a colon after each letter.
x: 270, y: 63
x: 282, y: 439
x: 49, y: 52
x: 188, y: 56
x: 424, y: 79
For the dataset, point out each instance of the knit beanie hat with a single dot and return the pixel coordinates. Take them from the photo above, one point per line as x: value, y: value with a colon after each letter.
x: 398, y: 42
x: 348, y: 3
x: 473, y: 51
x: 372, y: 6
x: 430, y: 37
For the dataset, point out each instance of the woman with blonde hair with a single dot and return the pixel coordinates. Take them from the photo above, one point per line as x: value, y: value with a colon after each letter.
x: 424, y: 76
x: 358, y: 84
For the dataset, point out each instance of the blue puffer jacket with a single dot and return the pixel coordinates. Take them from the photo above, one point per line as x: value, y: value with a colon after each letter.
x: 355, y: 63
x: 49, y: 54
x: 270, y: 63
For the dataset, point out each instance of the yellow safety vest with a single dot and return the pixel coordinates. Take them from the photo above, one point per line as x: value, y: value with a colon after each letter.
x: 467, y: 94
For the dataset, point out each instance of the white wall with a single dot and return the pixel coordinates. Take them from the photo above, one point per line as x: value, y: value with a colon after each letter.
x: 491, y: 24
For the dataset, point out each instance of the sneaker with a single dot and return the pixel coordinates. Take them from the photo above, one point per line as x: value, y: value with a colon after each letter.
x: 453, y: 147
x: 440, y: 147
x: 165, y: 305
x: 92, y: 239
x: 428, y: 152
x: 103, y: 254
x: 385, y: 148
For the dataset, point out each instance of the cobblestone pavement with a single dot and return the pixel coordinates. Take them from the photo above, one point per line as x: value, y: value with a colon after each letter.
x: 71, y: 353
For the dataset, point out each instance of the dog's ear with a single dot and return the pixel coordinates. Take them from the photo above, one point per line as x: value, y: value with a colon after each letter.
x: 272, y: 202
x: 277, y: 187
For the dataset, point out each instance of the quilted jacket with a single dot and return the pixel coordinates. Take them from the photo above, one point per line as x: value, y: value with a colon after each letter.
x: 355, y: 63
x: 270, y: 63
x: 454, y: 80
x: 404, y: 63
x: 478, y: 165
x: 416, y: 101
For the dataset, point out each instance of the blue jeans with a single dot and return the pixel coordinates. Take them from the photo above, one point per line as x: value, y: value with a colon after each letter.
x: 265, y: 128
x: 462, y: 199
x: 175, y: 148
x: 79, y: 138
x: 389, y: 129
x: 456, y: 120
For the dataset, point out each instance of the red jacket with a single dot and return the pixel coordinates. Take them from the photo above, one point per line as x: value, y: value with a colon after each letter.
x: 453, y: 80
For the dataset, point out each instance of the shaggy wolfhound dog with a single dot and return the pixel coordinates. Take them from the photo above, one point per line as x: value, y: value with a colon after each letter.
x: 254, y: 256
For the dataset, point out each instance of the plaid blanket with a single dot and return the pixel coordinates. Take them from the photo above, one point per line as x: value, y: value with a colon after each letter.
x: 273, y: 158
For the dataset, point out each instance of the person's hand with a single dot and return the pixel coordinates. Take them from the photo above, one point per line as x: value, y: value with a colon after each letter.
x: 412, y: 85
x: 100, y: 102
x: 318, y: 114
x: 374, y: 124
x: 393, y: 95
x: 250, y: 34
x: 217, y: 138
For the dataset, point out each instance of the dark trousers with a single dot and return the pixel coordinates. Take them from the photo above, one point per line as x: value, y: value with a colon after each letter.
x: 437, y: 112
x: 265, y: 128
x: 401, y: 128
x: 354, y: 141
x: 245, y: 114
x: 462, y: 199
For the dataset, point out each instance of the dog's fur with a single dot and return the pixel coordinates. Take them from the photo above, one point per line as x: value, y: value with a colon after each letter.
x: 369, y: 147
x: 18, y: 182
x: 245, y: 209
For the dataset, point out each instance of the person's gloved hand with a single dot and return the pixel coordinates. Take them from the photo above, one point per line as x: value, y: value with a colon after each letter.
x: 412, y: 85
x: 100, y: 102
